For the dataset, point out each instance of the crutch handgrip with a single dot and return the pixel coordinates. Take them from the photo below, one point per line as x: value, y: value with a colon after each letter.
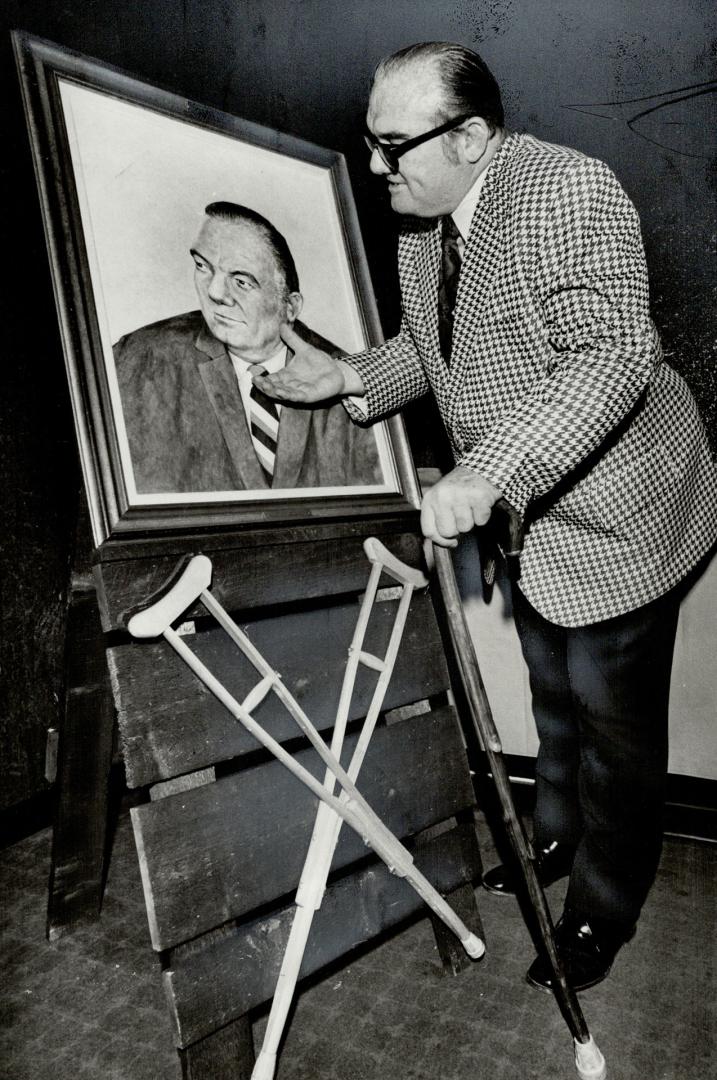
x: 258, y: 693
x: 155, y: 619
x: 407, y: 575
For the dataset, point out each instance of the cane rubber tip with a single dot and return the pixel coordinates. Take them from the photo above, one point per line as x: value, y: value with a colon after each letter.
x: 589, y: 1060
x: 264, y: 1067
x: 474, y: 946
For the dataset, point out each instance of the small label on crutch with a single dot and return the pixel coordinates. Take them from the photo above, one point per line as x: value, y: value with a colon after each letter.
x: 186, y: 629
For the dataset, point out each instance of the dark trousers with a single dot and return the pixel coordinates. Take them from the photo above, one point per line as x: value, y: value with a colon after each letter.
x: 600, y: 698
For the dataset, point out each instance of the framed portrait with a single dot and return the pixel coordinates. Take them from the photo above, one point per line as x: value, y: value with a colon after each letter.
x: 181, y: 240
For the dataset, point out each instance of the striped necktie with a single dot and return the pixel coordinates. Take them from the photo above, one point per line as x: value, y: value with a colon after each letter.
x: 264, y: 427
x: 448, y: 285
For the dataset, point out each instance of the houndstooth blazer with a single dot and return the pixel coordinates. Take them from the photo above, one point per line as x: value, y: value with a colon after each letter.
x: 557, y: 391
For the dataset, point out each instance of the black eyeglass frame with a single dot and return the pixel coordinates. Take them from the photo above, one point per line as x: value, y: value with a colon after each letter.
x: 390, y: 153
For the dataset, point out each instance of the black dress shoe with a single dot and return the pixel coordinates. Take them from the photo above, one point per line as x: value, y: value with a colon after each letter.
x: 551, y: 863
x: 586, y: 946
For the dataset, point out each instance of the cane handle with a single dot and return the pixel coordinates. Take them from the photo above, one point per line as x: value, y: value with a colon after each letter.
x: 155, y: 619
x: 377, y: 553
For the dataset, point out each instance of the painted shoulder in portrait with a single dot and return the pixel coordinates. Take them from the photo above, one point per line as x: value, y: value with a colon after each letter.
x: 181, y: 241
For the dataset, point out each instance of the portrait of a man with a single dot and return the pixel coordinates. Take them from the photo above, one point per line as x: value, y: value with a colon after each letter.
x: 194, y: 420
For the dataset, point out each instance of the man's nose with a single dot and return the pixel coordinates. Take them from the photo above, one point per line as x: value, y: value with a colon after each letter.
x: 377, y: 165
x: 219, y: 289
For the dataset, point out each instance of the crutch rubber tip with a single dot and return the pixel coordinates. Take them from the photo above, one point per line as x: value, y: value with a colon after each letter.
x: 589, y: 1060
x: 265, y: 1066
x: 473, y: 946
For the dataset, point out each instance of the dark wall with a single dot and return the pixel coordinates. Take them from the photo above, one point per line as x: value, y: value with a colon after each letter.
x: 303, y: 67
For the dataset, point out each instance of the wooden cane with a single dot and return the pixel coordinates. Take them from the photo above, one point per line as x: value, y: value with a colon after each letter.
x: 589, y: 1061
x: 327, y: 827
x: 155, y: 620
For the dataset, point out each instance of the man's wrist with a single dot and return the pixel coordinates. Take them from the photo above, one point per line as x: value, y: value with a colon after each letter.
x: 353, y: 383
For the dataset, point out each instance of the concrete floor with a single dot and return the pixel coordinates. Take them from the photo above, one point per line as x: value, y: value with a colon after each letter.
x: 91, y: 1006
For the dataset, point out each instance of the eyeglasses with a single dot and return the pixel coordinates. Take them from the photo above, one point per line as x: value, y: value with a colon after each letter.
x: 390, y: 153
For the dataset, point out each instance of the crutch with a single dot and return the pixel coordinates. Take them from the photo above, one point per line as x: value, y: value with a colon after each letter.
x: 327, y: 827
x: 156, y: 620
x: 589, y: 1061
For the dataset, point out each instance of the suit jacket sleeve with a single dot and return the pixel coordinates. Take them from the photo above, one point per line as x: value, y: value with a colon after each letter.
x: 392, y: 375
x: 591, y: 284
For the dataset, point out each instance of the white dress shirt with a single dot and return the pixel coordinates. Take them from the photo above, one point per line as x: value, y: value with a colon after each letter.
x: 242, y: 369
x: 463, y: 213
x: 462, y: 216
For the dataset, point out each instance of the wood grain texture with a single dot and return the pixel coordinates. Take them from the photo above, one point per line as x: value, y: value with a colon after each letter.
x: 170, y: 724
x: 216, y: 979
x: 221, y: 850
x: 453, y: 956
x: 85, y: 758
x: 252, y: 568
x: 226, y: 1054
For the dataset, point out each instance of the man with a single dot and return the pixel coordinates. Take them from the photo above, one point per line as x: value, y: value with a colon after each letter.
x: 525, y: 312
x: 194, y: 422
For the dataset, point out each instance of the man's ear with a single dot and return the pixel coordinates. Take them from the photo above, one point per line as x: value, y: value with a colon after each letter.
x: 476, y: 135
x: 294, y: 304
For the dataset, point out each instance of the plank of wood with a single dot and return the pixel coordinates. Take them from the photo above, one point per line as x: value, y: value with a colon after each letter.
x: 453, y: 956
x: 253, y: 568
x: 85, y: 758
x: 222, y: 850
x: 170, y: 724
x: 226, y: 1054
x: 216, y: 979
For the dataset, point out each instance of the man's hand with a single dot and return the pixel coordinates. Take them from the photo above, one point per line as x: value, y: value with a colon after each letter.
x: 311, y: 375
x: 458, y: 502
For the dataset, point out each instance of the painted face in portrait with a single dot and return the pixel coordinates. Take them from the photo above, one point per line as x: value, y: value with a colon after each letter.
x: 432, y: 178
x: 241, y: 288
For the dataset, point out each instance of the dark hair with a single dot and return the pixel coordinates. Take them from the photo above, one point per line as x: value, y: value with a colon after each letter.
x: 469, y: 87
x: 284, y: 259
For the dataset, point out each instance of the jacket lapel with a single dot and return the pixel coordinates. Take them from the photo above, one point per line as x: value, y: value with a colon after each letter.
x: 294, y: 425
x: 217, y: 374
x: 481, y: 259
x: 419, y: 266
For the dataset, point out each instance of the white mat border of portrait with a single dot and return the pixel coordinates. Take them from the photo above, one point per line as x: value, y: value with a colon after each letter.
x: 119, y: 209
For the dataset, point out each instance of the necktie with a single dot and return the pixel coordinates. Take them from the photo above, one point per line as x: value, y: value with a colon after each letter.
x: 448, y: 286
x: 264, y: 427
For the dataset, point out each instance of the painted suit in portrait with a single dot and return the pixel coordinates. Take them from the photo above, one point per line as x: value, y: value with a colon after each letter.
x: 187, y: 427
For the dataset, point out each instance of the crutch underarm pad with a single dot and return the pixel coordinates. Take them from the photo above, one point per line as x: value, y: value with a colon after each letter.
x: 157, y: 618
x: 377, y: 553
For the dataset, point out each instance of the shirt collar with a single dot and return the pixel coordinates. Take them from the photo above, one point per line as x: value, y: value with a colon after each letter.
x: 274, y: 363
x: 463, y: 213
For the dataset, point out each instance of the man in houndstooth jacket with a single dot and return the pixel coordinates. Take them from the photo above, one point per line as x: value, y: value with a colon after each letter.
x: 554, y: 394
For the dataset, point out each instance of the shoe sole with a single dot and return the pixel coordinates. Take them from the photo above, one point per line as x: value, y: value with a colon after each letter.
x: 514, y: 892
x: 577, y: 989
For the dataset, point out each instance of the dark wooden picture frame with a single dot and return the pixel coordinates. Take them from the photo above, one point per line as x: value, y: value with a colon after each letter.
x: 65, y: 93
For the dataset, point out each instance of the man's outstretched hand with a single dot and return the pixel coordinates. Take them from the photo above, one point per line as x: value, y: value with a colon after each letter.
x: 311, y: 375
x: 455, y: 504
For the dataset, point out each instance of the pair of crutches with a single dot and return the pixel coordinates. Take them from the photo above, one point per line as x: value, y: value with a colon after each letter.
x: 349, y: 805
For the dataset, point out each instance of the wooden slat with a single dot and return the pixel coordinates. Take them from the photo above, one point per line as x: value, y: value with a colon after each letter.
x: 219, y: 851
x: 212, y: 981
x: 226, y: 1054
x: 86, y: 738
x: 252, y: 568
x: 170, y: 724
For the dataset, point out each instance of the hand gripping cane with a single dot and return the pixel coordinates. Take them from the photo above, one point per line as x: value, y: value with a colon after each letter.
x: 589, y: 1061
x: 328, y: 825
x: 156, y: 620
